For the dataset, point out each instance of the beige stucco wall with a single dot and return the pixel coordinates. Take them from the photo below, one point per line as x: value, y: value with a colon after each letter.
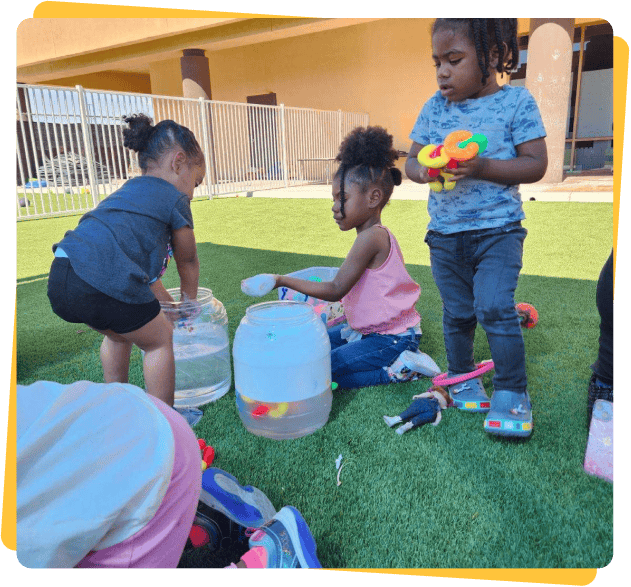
x: 42, y: 39
x: 64, y: 37
x: 383, y: 68
x: 166, y: 78
x: 117, y: 81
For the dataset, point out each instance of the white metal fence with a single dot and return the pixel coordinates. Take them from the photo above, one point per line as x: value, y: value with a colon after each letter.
x: 70, y: 150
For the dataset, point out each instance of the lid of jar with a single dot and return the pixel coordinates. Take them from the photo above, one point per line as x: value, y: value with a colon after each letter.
x: 204, y: 298
x: 280, y: 312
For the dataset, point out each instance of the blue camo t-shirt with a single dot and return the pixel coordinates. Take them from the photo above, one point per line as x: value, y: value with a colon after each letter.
x: 122, y: 245
x: 507, y: 118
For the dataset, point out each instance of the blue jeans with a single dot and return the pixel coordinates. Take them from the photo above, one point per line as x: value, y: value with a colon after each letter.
x: 361, y: 363
x: 476, y: 273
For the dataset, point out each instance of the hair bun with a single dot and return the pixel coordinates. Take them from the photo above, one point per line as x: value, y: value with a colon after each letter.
x: 137, y: 136
x: 397, y: 176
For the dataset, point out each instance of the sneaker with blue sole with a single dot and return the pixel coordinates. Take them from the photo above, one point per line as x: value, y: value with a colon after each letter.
x: 510, y: 414
x: 287, y: 541
x: 470, y: 396
x: 243, y: 504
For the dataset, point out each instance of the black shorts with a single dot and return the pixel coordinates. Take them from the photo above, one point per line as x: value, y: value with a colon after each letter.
x: 74, y: 300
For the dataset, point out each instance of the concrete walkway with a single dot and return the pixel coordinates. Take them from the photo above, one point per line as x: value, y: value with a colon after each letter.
x: 572, y: 189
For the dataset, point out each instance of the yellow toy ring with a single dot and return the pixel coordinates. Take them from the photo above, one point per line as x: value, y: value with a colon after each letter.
x: 279, y: 410
x: 424, y: 157
x: 454, y: 151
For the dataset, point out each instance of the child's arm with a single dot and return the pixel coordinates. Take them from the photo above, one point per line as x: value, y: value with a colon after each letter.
x: 161, y: 293
x: 413, y: 169
x: 185, y: 255
x: 367, y: 247
x: 528, y: 167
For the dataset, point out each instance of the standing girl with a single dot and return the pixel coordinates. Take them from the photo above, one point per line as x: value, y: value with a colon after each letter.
x: 378, y: 294
x: 106, y: 272
x: 475, y: 234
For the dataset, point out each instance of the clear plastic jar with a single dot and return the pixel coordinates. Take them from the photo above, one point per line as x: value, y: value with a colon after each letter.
x: 282, y: 370
x: 201, y: 349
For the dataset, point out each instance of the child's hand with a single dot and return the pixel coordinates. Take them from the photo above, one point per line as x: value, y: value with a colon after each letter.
x: 259, y: 285
x: 424, y: 174
x: 188, y: 308
x: 470, y: 168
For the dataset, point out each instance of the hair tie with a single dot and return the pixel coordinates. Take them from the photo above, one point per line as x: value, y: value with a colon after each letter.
x: 397, y: 176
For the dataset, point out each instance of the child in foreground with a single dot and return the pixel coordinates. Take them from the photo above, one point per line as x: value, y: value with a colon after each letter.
x: 475, y: 234
x: 106, y: 272
x: 108, y: 476
x: 380, y: 343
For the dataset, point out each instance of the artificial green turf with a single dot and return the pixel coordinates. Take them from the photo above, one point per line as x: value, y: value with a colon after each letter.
x: 436, y: 497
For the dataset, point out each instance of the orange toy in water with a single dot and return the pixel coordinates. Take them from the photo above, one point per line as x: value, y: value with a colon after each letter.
x: 528, y: 315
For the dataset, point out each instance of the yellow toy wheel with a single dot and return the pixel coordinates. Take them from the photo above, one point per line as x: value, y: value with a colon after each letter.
x: 279, y: 411
x: 439, y: 159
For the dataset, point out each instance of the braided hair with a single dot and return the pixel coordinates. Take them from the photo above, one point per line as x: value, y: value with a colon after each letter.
x: 151, y: 142
x: 366, y: 157
x: 485, y: 33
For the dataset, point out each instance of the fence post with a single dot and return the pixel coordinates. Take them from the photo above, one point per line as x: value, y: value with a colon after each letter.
x: 283, y: 142
x: 339, y: 127
x: 203, y: 113
x: 87, y: 145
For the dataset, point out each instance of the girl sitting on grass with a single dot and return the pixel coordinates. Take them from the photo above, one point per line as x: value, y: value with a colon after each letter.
x: 380, y: 343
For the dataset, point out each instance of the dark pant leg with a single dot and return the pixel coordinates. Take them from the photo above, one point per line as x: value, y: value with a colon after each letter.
x: 603, y: 367
x: 453, y: 274
x: 498, y: 259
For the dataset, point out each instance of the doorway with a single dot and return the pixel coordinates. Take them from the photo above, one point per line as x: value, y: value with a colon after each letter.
x: 263, y: 133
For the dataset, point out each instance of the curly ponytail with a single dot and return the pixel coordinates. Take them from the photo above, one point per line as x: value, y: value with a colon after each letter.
x: 366, y: 157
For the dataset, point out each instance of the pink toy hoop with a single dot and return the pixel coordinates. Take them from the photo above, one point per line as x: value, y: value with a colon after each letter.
x: 482, y: 367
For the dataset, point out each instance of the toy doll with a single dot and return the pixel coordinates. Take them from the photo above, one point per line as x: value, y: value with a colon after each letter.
x: 427, y: 407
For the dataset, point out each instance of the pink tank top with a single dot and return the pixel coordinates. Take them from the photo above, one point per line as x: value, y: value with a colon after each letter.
x: 383, y: 299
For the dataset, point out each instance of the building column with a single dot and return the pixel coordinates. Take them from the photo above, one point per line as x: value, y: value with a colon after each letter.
x: 549, y: 79
x: 195, y: 74
x: 196, y: 84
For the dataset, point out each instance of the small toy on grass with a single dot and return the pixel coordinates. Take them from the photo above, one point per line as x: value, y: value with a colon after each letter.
x: 425, y: 409
x: 460, y: 145
x: 208, y: 453
x: 528, y: 315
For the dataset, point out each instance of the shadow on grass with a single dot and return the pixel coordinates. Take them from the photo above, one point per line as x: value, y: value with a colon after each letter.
x: 529, y: 503
x: 39, y: 277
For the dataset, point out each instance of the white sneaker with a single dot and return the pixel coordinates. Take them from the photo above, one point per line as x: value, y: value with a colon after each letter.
x: 420, y: 363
